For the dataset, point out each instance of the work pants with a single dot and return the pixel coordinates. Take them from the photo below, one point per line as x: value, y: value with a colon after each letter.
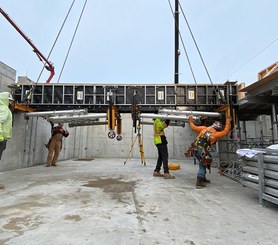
x: 162, y: 158
x: 202, y: 168
x: 2, y: 147
x: 54, y: 151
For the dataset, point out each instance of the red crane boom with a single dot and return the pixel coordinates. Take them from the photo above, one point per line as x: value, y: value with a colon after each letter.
x: 48, y: 65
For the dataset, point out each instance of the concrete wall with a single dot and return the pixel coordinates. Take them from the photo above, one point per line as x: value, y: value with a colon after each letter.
x: 93, y: 141
x: 27, y: 146
x: 7, y: 77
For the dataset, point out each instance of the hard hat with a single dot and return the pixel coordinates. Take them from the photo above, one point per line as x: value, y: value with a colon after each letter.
x: 217, y: 125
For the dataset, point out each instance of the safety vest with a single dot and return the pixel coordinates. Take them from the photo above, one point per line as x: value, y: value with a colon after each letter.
x: 158, y: 127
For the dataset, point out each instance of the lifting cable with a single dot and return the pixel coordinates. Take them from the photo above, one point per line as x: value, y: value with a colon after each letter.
x: 216, y: 90
x: 252, y: 58
x: 218, y: 93
x: 187, y: 57
x: 194, y: 40
x: 34, y: 86
x: 57, y: 37
x: 72, y: 40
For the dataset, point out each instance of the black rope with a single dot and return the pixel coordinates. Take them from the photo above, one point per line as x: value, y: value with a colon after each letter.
x: 186, y: 54
x: 72, y: 40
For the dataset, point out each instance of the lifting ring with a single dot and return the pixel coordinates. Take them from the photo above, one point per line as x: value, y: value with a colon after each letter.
x: 111, y: 135
x: 119, y: 137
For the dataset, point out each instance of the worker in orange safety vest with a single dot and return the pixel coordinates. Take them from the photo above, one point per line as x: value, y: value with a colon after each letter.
x: 206, y: 137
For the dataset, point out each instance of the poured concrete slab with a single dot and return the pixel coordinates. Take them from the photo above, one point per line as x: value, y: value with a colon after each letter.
x: 103, y: 201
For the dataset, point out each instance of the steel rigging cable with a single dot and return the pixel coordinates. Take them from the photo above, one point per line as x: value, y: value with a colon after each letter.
x: 194, y: 40
x: 72, y: 40
x: 28, y: 95
x: 252, y: 58
x: 57, y: 37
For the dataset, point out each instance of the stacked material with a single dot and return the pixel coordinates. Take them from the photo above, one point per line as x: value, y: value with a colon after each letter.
x: 260, y: 172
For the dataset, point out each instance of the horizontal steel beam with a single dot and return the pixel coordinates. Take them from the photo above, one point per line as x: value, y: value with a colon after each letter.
x: 190, y: 113
x: 53, y: 113
x: 77, y: 118
x: 91, y: 123
x: 179, y: 123
x: 164, y: 116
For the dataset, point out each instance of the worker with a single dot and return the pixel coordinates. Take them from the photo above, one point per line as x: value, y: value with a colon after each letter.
x: 5, y: 122
x: 55, y: 145
x: 161, y: 143
x: 207, y: 136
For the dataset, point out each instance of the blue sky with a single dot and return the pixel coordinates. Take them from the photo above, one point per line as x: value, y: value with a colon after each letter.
x: 132, y: 41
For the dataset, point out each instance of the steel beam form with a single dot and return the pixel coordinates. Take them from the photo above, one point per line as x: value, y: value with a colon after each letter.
x: 95, y: 97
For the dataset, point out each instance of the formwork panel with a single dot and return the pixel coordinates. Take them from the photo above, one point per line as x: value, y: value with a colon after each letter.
x: 47, y: 94
x: 79, y: 94
x: 37, y: 94
x: 191, y: 95
x: 89, y: 90
x: 68, y: 94
x: 58, y: 95
x: 120, y: 95
x: 160, y: 95
x: 141, y: 96
x: 181, y: 95
x: 100, y: 94
x: 150, y: 97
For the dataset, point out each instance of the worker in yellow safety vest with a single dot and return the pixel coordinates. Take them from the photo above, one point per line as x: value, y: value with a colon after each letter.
x: 161, y: 143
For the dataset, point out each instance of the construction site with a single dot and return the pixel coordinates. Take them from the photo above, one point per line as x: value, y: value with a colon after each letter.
x: 103, y: 191
x: 125, y: 204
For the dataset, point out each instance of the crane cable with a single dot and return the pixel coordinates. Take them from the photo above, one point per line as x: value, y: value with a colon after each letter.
x: 186, y: 54
x: 72, y: 40
x: 248, y: 61
x: 29, y: 94
x: 196, y: 45
x: 57, y: 37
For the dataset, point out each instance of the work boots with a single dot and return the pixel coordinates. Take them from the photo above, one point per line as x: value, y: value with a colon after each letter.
x: 200, y: 183
x: 157, y: 174
x: 207, y: 181
x: 169, y: 176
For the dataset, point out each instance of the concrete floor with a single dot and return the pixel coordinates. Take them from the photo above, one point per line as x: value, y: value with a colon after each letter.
x: 104, y: 202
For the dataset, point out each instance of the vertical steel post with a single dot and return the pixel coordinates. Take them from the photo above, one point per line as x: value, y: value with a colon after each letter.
x: 274, y: 125
x: 261, y: 178
x: 177, y: 52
